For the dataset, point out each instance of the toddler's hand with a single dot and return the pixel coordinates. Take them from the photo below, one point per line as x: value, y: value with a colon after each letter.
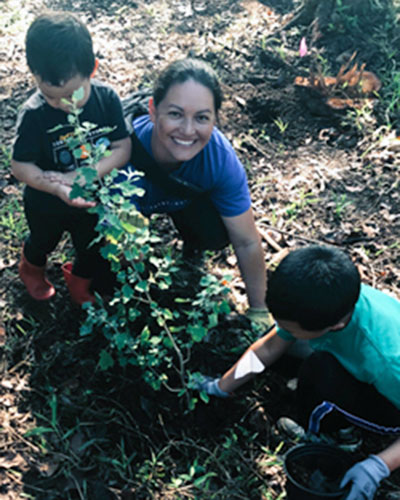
x: 66, y: 179
x: 63, y: 193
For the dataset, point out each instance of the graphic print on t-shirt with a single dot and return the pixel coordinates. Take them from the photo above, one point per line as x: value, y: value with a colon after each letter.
x: 67, y: 160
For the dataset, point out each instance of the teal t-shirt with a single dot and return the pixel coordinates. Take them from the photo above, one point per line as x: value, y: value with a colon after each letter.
x: 369, y: 346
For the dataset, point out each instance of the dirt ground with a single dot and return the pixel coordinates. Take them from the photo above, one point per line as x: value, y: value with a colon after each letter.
x: 316, y: 176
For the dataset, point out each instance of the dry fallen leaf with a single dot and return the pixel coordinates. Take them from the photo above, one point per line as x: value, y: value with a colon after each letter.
x: 11, y: 460
x: 2, y: 335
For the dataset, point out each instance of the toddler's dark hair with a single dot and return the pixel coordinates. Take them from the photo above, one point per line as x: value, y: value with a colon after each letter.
x: 314, y: 286
x: 188, y: 69
x: 59, y: 47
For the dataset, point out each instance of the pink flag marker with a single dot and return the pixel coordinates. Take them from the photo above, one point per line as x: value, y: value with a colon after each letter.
x: 303, y: 47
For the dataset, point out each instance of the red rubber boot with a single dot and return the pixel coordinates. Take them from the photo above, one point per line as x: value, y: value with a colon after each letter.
x: 34, y: 279
x: 78, y: 287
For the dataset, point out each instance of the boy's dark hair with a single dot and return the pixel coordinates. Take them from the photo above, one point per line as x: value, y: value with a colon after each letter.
x: 188, y: 69
x: 314, y: 286
x: 59, y: 47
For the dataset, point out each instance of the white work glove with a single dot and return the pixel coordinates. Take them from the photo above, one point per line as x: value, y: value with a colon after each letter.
x: 365, y: 476
x: 210, y: 386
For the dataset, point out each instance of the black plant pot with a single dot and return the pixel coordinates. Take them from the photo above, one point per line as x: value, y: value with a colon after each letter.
x: 314, y: 472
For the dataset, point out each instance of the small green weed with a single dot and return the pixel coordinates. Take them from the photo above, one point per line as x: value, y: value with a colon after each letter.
x: 341, y: 203
x: 282, y: 126
x: 297, y: 206
x: 12, y: 224
x: 361, y: 119
x: 5, y: 157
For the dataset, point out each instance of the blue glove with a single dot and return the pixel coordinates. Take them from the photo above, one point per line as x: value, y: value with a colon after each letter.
x: 210, y: 386
x: 366, y: 476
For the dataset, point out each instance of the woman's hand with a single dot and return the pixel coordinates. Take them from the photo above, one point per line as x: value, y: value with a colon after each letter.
x: 261, y: 316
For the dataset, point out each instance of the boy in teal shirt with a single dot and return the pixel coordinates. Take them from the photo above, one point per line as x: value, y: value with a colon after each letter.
x: 315, y: 294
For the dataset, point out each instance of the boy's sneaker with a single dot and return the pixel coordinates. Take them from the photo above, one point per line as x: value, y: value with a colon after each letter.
x: 291, y: 428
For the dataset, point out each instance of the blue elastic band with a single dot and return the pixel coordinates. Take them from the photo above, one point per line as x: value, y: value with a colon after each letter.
x: 326, y: 407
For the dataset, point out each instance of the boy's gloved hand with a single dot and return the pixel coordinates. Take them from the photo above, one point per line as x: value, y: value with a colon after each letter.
x: 261, y: 316
x: 210, y: 386
x: 365, y: 476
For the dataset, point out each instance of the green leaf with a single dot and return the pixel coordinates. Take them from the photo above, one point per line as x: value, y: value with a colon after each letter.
x: 72, y: 142
x: 204, y: 396
x: 78, y: 94
x: 127, y: 291
x: 168, y: 343
x: 197, y: 332
x: 167, y: 314
x: 77, y: 153
x: 128, y: 227
x: 224, y: 307
x: 212, y: 320
x: 192, y: 403
x: 200, y: 480
x: 56, y: 128
x: 121, y: 339
x: 76, y: 192
x: 105, y: 361
x: 180, y: 300
x: 142, y: 286
x: 90, y: 174
x: 86, y: 329
x: 145, y: 335
x: 38, y: 431
x: 155, y: 340
x: 133, y: 314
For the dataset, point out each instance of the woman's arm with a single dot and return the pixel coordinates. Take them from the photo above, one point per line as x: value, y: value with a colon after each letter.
x: 246, y: 242
x: 391, y: 455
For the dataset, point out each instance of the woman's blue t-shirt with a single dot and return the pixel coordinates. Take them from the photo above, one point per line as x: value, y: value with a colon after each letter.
x: 215, y: 169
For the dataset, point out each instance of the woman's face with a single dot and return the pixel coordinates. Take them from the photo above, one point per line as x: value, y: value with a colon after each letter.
x: 183, y: 122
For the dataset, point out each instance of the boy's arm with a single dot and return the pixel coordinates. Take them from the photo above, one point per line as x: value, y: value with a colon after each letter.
x: 262, y: 353
x: 120, y: 155
x: 267, y: 349
x: 391, y: 455
x: 33, y: 176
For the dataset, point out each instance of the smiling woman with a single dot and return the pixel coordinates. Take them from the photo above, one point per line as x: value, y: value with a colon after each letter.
x: 184, y: 147
x: 183, y: 123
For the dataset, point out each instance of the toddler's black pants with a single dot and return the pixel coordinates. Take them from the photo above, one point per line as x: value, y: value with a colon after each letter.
x: 46, y: 230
